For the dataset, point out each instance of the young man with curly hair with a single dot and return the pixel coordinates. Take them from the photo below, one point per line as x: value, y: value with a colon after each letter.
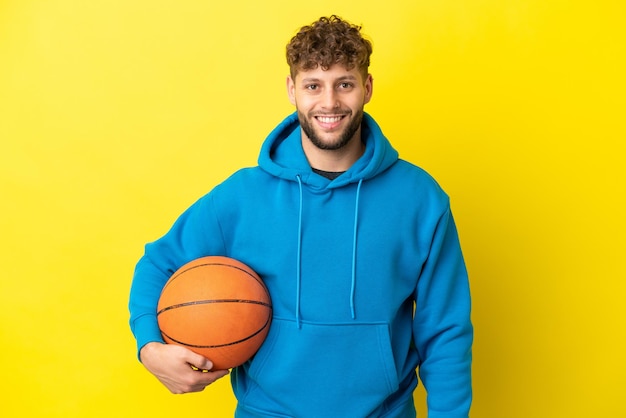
x: 357, y: 247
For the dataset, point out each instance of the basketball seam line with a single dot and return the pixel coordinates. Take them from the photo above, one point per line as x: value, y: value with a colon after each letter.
x: 207, y: 301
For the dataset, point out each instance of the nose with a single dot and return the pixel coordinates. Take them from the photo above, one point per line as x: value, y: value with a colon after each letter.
x: 329, y: 100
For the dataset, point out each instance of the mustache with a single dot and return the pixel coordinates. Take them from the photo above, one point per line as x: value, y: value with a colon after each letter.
x: 335, y: 113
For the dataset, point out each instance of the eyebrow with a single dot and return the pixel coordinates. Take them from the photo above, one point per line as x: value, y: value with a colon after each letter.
x: 339, y: 79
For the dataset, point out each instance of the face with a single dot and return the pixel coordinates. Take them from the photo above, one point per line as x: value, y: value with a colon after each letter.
x: 330, y: 104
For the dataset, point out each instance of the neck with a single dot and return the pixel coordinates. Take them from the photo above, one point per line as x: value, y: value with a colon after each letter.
x: 333, y: 160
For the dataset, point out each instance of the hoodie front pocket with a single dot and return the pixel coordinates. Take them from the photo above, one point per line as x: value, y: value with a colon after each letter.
x: 322, y: 370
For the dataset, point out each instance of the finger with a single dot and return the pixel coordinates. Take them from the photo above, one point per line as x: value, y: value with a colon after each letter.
x: 197, y: 369
x: 198, y: 362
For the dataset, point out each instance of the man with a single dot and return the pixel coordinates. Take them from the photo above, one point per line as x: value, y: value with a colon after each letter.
x: 358, y: 249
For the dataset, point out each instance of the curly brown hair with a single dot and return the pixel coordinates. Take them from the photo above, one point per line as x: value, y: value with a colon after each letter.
x: 328, y: 41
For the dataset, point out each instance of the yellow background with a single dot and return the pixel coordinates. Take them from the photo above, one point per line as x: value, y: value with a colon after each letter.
x: 116, y: 115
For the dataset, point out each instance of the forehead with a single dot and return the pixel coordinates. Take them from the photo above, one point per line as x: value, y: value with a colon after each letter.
x: 334, y: 73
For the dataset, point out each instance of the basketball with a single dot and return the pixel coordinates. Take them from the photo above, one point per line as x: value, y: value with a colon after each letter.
x: 217, y: 307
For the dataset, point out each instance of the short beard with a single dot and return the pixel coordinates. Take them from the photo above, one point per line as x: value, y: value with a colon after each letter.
x: 343, y: 140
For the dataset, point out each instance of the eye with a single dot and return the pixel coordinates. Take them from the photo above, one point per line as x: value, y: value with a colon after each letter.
x: 345, y: 85
x: 311, y: 87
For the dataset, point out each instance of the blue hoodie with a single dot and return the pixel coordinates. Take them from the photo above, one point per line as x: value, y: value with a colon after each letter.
x: 366, y: 276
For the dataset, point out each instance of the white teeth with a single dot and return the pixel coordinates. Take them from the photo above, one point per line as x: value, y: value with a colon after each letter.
x: 329, y: 119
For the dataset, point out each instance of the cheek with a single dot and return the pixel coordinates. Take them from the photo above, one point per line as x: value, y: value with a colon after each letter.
x: 356, y: 102
x: 303, y: 103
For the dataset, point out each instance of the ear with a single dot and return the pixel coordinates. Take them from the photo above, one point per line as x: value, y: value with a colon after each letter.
x: 369, y: 88
x: 291, y: 90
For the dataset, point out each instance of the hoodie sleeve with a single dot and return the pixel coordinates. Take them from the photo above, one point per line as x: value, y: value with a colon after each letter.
x: 442, y: 327
x: 195, y: 233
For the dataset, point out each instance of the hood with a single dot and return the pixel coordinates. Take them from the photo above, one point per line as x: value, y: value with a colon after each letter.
x: 282, y: 155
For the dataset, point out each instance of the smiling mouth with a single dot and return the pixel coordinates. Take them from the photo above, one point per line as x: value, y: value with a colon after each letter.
x: 329, y: 119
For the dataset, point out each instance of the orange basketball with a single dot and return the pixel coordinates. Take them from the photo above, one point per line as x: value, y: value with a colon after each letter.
x: 217, y: 307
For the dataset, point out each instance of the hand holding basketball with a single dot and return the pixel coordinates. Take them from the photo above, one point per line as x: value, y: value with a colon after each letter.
x: 171, y: 365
